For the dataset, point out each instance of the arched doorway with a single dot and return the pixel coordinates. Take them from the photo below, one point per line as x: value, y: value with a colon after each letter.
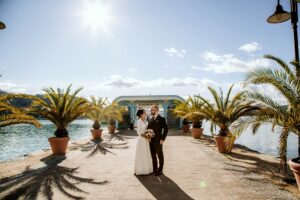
x: 166, y: 104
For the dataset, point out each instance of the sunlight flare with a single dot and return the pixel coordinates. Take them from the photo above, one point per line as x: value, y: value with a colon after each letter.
x: 96, y: 16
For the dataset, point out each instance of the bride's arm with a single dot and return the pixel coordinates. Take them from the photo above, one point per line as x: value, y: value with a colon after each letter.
x: 140, y: 129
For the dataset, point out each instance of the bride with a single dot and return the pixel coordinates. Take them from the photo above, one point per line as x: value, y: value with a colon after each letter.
x: 143, y: 160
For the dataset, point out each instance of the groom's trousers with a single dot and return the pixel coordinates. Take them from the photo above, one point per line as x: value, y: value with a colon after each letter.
x: 156, y: 151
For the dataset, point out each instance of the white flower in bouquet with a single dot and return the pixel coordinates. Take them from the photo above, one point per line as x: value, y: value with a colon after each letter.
x: 149, y: 133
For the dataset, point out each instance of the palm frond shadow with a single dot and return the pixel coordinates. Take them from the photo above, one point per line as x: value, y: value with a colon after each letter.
x: 41, y: 181
x: 117, y: 137
x: 100, y: 146
x: 267, y: 168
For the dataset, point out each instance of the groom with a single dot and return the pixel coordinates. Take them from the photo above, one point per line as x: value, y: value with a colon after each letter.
x: 159, y: 126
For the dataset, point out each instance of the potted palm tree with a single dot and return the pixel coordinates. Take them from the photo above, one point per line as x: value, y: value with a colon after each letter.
x: 61, y: 107
x: 111, y: 126
x: 113, y: 113
x: 10, y: 115
x: 97, y: 114
x: 223, y: 112
x: 197, y: 129
x: 185, y: 126
x: 283, y: 115
x: 189, y: 110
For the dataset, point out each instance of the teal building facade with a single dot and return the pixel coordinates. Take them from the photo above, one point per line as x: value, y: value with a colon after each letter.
x: 166, y: 104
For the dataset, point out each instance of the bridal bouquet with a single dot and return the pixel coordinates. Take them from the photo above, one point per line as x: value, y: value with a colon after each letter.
x: 149, y: 133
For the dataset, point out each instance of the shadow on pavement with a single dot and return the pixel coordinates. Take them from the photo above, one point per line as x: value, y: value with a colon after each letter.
x: 162, y: 187
x: 41, y: 181
x: 100, y: 146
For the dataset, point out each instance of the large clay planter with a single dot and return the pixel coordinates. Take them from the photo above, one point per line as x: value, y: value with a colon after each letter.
x: 96, y: 133
x: 197, y: 132
x: 111, y: 128
x: 59, y: 145
x: 220, y: 141
x: 185, y: 128
x: 295, y: 167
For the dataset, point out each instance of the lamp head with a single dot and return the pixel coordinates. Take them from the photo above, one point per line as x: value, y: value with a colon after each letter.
x: 2, y: 25
x: 279, y: 15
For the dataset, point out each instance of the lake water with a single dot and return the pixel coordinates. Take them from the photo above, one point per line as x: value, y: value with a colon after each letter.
x: 264, y: 141
x: 19, y: 140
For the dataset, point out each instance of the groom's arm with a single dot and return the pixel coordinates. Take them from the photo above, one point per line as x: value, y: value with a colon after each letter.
x: 165, y: 127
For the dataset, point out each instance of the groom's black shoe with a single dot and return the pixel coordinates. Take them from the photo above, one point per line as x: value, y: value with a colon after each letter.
x: 158, y: 173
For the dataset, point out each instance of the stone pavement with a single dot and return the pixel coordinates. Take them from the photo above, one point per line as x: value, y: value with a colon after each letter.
x: 193, y: 170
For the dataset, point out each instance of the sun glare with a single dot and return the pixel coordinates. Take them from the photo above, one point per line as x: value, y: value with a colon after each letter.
x: 96, y: 16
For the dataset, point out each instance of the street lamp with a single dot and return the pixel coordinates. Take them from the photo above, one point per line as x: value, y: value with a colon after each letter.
x: 281, y: 16
x: 2, y: 25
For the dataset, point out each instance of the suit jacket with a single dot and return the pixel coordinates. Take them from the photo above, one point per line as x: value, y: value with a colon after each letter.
x: 159, y: 127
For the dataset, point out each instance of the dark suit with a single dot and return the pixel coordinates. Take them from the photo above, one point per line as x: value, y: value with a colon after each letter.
x: 160, y: 129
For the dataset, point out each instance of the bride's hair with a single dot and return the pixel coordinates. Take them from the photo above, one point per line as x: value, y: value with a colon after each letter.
x: 140, y: 112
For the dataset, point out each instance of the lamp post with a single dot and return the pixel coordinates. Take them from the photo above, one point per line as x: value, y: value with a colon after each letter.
x: 281, y: 16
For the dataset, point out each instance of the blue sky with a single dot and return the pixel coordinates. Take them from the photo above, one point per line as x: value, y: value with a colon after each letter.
x: 137, y: 47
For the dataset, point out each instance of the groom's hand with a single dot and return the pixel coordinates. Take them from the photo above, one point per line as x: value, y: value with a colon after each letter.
x: 161, y: 142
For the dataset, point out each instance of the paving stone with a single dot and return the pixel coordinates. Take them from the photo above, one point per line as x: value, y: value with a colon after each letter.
x: 193, y: 170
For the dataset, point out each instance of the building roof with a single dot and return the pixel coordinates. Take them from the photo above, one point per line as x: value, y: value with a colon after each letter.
x: 149, y: 98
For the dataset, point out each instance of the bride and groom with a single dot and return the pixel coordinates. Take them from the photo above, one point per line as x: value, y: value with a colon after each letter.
x: 149, y: 149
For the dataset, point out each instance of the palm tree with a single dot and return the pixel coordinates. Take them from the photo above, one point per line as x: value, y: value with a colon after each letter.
x: 225, y: 111
x: 277, y: 115
x: 114, y: 112
x: 103, y: 110
x: 10, y: 115
x: 285, y: 115
x: 189, y: 109
x: 61, y: 108
x: 97, y: 113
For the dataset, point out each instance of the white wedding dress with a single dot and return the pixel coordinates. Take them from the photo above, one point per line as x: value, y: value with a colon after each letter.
x: 143, y: 160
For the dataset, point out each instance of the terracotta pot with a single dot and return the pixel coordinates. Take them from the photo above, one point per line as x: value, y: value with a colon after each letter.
x: 295, y: 167
x: 111, y: 128
x: 185, y: 128
x: 96, y: 133
x: 220, y: 142
x: 59, y: 145
x: 197, y: 132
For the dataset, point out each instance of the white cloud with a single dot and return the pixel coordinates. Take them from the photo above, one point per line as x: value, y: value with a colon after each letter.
x: 179, y: 67
x: 175, y: 52
x: 228, y: 63
x: 112, y: 87
x: 12, y: 87
x: 196, y: 67
x: 119, y: 82
x: 250, y: 47
x: 132, y: 69
x: 212, y: 57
